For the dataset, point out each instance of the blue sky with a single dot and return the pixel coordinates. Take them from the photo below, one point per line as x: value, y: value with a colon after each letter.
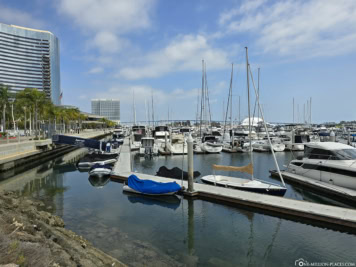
x: 112, y: 48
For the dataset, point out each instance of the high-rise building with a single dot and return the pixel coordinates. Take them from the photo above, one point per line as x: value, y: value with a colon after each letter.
x: 29, y: 58
x: 109, y: 108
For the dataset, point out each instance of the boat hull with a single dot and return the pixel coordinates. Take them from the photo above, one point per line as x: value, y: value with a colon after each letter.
x: 126, y: 188
x: 210, y: 148
x: 266, y: 188
x: 100, y: 172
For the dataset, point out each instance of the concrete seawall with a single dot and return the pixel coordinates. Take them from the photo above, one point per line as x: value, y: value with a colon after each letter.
x: 18, y: 154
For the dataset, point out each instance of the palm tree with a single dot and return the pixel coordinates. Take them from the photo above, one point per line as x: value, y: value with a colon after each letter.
x: 4, y: 100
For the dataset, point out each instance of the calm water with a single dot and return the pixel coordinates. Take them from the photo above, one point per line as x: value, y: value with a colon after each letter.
x: 143, y: 231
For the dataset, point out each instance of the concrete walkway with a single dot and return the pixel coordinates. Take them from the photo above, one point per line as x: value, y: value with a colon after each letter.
x: 280, y: 205
x: 13, y: 151
x: 16, y: 154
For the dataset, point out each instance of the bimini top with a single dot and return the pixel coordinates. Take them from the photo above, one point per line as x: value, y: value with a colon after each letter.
x: 328, y: 145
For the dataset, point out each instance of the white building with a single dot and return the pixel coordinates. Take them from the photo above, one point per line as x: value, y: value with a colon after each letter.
x: 254, y: 121
x: 109, y: 108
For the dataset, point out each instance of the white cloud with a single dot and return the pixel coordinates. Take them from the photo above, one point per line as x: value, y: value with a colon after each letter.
x: 19, y: 18
x: 183, y: 53
x: 309, y: 28
x: 112, y: 15
x: 143, y: 92
x: 96, y: 70
x: 247, y: 6
x: 109, y: 19
x: 162, y: 100
x: 108, y: 42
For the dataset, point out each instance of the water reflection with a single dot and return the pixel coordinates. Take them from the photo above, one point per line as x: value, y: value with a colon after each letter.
x: 99, y: 181
x: 150, y: 231
x: 171, y: 202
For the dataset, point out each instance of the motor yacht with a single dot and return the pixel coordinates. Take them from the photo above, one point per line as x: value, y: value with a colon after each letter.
x: 329, y: 162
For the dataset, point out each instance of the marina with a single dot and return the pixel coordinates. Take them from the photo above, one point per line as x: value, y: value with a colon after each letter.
x: 177, y: 133
x: 319, y: 213
x: 180, y: 230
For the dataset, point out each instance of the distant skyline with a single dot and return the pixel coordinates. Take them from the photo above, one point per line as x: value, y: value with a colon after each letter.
x: 117, y: 48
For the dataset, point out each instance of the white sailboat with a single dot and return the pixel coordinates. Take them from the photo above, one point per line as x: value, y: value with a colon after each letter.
x: 252, y: 185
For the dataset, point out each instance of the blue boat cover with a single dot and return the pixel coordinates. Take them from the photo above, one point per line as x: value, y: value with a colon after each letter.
x: 151, y: 187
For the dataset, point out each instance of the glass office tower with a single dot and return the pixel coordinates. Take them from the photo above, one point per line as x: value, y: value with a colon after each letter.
x: 29, y: 58
x: 109, y: 108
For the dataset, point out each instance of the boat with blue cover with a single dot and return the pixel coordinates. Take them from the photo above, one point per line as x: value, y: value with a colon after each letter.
x: 150, y: 187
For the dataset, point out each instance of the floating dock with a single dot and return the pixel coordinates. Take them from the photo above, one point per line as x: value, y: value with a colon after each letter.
x: 342, y: 194
x: 343, y: 219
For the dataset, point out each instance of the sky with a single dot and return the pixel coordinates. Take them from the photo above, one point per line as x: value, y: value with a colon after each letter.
x: 136, y: 49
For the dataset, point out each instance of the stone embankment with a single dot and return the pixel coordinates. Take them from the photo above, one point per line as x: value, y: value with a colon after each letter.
x: 30, y: 236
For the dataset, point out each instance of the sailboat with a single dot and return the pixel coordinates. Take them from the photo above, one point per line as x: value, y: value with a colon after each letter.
x: 209, y: 143
x: 252, y: 185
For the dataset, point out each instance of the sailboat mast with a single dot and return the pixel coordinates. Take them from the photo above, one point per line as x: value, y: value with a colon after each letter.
x: 239, y: 110
x: 229, y: 99
x: 258, y: 91
x: 268, y: 137
x: 249, y: 111
x: 202, y: 98
x: 153, y: 116
x: 232, y: 71
x: 146, y: 112
x: 207, y: 94
x: 293, y: 109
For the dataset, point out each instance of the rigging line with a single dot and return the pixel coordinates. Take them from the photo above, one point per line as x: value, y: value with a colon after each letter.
x: 207, y: 94
x: 264, y: 123
x: 202, y: 98
x: 249, y: 110
x: 228, y: 99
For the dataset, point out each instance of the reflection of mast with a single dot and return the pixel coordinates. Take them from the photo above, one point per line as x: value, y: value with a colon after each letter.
x: 250, y: 245
x: 270, y: 246
x: 190, y: 226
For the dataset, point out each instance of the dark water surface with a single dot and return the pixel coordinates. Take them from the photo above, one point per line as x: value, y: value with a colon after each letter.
x: 148, y: 231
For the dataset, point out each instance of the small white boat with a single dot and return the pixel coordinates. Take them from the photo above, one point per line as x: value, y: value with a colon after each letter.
x: 257, y: 186
x: 100, y: 170
x: 150, y: 187
x: 177, y: 145
x: 261, y: 146
x: 210, y: 144
x: 148, y: 147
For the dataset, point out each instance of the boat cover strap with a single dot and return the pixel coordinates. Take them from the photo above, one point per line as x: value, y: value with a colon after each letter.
x: 247, y: 169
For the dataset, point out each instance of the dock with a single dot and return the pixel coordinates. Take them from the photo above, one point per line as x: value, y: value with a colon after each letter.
x: 338, y: 193
x: 343, y: 219
x: 16, y: 154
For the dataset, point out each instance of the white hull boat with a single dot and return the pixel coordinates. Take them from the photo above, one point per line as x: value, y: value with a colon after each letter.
x: 328, y: 162
x: 100, y: 170
x: 256, y: 186
x: 208, y: 147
